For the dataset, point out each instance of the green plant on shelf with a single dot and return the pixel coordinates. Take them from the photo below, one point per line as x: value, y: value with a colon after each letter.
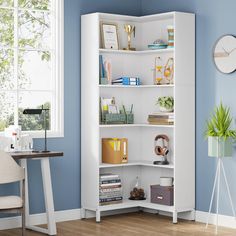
x: 166, y: 103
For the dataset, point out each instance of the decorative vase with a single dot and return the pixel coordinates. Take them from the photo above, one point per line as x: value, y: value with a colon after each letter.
x: 219, y: 147
x: 164, y: 109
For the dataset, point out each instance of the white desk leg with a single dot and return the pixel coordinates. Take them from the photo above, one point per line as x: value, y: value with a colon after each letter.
x: 23, y: 163
x: 48, y: 196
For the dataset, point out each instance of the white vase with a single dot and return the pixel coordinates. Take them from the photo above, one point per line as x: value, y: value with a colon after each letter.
x: 219, y: 147
x: 164, y: 109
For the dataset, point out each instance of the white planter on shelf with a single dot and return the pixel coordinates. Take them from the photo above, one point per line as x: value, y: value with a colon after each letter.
x: 219, y: 147
x: 164, y: 109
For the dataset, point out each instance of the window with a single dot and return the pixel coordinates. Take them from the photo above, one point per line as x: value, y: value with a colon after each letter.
x: 31, y: 63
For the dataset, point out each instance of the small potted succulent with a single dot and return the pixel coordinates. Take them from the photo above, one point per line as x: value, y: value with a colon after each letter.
x: 219, y: 133
x: 166, y: 103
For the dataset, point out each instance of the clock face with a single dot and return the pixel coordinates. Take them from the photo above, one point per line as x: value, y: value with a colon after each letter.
x: 224, y: 54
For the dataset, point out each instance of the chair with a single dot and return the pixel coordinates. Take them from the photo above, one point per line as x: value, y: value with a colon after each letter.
x: 11, y: 172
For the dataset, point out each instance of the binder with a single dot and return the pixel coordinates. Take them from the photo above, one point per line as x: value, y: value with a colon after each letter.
x: 114, y: 150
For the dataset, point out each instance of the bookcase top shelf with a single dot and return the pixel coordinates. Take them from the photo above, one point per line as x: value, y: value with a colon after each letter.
x: 125, y: 52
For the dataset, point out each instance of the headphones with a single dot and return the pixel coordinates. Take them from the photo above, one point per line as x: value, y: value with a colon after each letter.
x: 164, y: 149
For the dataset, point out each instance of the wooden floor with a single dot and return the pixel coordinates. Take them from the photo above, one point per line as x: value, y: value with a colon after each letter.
x: 132, y: 224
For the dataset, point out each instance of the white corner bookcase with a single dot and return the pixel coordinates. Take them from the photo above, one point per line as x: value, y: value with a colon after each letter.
x: 140, y: 134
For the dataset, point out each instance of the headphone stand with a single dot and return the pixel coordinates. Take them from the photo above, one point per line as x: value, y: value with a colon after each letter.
x: 164, y: 162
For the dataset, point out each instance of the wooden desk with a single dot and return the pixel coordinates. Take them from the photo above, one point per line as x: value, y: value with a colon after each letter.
x: 47, y: 187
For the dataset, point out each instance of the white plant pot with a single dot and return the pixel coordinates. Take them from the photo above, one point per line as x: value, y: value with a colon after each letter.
x: 219, y: 147
x: 163, y: 109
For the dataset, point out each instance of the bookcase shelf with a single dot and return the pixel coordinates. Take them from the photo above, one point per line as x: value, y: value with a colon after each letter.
x: 142, y: 52
x: 130, y: 204
x: 137, y: 86
x: 135, y: 125
x: 136, y: 163
x: 142, y: 99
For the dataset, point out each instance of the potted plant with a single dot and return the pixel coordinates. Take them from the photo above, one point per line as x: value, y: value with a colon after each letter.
x: 219, y: 132
x: 166, y: 103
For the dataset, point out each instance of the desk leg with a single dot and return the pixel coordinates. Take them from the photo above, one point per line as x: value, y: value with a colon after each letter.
x: 48, y: 196
x: 23, y: 163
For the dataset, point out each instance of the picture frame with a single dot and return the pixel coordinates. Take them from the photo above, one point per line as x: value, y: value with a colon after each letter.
x: 109, y: 36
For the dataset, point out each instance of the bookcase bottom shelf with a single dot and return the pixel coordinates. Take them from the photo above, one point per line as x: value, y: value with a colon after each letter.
x: 130, y: 204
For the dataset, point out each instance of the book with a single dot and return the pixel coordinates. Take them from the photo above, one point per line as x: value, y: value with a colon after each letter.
x: 109, y: 203
x: 160, y: 123
x: 111, y: 199
x: 107, y: 190
x: 108, y: 196
x: 161, y: 120
x: 108, y: 175
x: 111, y: 192
x: 161, y: 116
x: 110, y: 184
x: 110, y: 181
x: 161, y: 113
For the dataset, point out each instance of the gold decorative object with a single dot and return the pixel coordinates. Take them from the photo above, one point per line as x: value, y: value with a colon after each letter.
x: 158, y: 71
x: 169, y: 70
x: 129, y: 29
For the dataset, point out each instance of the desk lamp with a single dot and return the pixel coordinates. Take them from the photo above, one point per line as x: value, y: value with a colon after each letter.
x: 39, y: 111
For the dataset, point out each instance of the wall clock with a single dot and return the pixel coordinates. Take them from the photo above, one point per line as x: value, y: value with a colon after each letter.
x: 224, y: 54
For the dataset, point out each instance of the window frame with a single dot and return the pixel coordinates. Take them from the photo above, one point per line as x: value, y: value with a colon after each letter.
x: 57, y: 114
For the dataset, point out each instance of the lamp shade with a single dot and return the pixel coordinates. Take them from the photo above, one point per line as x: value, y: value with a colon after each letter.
x: 32, y: 111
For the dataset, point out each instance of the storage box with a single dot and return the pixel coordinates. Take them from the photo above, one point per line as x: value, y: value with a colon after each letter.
x: 118, y: 118
x: 162, y: 195
x: 114, y: 150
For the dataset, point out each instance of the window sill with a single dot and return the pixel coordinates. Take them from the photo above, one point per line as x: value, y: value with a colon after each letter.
x: 40, y: 134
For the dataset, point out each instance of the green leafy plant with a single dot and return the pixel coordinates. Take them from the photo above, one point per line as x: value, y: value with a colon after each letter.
x: 166, y: 102
x: 219, y: 125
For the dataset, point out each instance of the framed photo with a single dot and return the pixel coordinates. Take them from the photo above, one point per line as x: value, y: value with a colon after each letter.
x: 109, y: 33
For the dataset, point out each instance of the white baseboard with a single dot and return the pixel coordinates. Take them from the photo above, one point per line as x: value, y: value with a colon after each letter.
x: 67, y: 215
x: 223, y: 220
x: 75, y: 214
x: 38, y: 219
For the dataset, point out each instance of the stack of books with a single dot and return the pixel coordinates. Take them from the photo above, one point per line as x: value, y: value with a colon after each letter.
x: 161, y: 118
x: 127, y: 81
x: 110, y: 191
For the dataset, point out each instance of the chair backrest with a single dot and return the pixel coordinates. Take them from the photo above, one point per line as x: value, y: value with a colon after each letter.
x: 10, y: 171
x: 5, y: 143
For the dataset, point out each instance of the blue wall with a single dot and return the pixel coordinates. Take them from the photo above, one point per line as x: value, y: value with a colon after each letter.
x: 66, y: 171
x: 213, y: 19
